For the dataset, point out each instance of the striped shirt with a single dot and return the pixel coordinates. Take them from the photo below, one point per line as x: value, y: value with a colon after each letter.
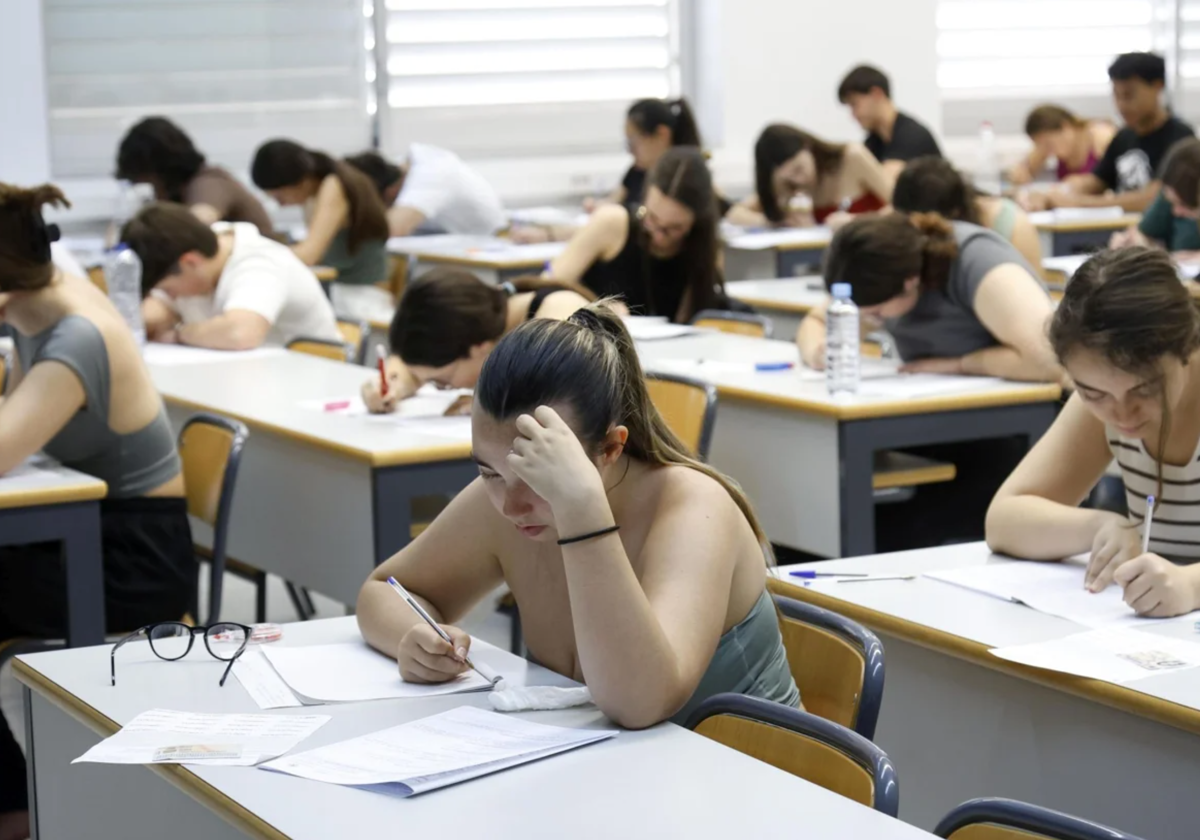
x: 1175, y: 531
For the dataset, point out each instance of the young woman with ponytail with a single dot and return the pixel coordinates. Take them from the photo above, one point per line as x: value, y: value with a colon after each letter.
x: 635, y: 567
x: 347, y: 223
x: 1129, y: 337
x: 957, y: 298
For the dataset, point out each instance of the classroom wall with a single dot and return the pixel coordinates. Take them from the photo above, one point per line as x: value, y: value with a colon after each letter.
x: 24, y: 144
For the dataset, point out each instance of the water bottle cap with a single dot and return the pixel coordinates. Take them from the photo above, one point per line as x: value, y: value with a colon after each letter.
x: 841, y: 291
x: 118, y: 248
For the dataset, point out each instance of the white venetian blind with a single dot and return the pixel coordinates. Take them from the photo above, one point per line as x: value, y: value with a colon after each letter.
x: 505, y: 76
x: 1189, y: 43
x: 1042, y: 48
x: 232, y: 73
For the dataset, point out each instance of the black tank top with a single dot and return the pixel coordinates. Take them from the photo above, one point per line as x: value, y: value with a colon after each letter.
x: 539, y: 297
x: 649, y: 286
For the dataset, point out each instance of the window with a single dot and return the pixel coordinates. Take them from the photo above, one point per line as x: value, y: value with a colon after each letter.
x: 486, y: 76
x: 232, y: 73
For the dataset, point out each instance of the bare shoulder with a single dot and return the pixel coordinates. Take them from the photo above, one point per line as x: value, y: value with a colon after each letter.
x: 331, y: 189
x: 681, y: 487
x: 609, y: 217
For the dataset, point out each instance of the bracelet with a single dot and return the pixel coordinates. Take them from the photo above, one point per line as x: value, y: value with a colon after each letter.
x: 612, y: 529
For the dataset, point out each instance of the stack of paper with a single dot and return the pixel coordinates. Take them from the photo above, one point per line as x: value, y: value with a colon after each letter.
x: 160, y: 736
x: 1112, y: 655
x: 442, y: 750
x: 351, y: 672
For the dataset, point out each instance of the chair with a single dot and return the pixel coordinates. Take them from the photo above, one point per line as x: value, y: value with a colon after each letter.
x: 338, y: 351
x: 1008, y: 819
x: 355, y: 333
x: 688, y: 406
x: 741, y: 323
x: 3, y: 371
x: 211, y: 450
x: 815, y: 749
x: 837, y: 663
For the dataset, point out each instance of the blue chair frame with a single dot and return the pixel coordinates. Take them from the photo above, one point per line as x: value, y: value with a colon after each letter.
x: 1010, y: 813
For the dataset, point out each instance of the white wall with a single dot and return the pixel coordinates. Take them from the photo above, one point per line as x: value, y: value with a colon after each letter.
x: 24, y: 144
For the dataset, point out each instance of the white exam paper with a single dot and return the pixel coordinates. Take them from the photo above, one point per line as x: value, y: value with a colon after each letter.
x: 909, y: 385
x: 262, y: 683
x: 655, y: 329
x: 1112, y: 655
x: 163, y: 736
x: 765, y: 239
x: 351, y: 671
x: 426, y: 754
x: 424, y: 412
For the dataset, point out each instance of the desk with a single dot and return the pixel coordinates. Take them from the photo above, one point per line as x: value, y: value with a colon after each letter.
x: 1059, y: 270
x: 960, y: 722
x: 773, y: 253
x: 491, y: 258
x: 321, y: 499
x: 790, y: 444
x: 785, y: 301
x: 657, y: 783
x: 57, y: 504
x: 1076, y: 230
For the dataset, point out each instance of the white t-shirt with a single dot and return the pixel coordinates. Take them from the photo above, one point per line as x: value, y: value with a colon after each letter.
x: 451, y: 194
x: 265, y: 277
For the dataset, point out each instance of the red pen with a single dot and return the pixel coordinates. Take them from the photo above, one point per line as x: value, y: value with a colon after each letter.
x: 381, y: 360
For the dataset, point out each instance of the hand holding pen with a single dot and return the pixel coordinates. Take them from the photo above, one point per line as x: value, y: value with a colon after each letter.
x: 430, y: 652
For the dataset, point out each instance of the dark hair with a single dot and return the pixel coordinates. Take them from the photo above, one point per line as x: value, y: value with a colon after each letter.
x: 160, y: 234
x: 862, y: 79
x: 675, y: 114
x: 1128, y: 306
x: 382, y: 172
x: 776, y: 145
x: 284, y: 163
x: 876, y: 254
x: 1181, y: 171
x: 1147, y: 66
x: 25, y: 261
x: 157, y: 150
x: 589, y: 365
x: 682, y: 175
x: 931, y: 184
x: 1045, y: 118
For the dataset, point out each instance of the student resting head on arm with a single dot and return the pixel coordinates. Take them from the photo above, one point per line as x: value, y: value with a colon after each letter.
x: 347, y: 225
x: 1171, y: 222
x: 662, y: 258
x: 1129, y: 337
x: 158, y: 152
x: 893, y: 137
x: 933, y: 185
x: 800, y: 179
x: 957, y: 298
x: 79, y: 391
x: 588, y: 507
x: 224, y: 287
x: 1077, y: 144
x: 433, y: 187
x: 449, y: 321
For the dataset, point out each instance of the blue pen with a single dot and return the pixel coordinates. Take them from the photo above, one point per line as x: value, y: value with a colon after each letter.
x: 807, y: 575
x: 769, y: 367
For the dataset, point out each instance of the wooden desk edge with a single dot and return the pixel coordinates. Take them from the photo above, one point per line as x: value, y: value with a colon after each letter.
x: 475, y: 262
x: 178, y: 775
x: 1087, y: 225
x: 787, y: 246
x: 767, y: 304
x: 386, y: 458
x: 897, y: 408
x: 89, y: 491
x: 1107, y: 694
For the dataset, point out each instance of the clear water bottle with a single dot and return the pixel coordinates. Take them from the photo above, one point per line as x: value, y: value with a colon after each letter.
x: 124, y: 209
x: 123, y: 274
x: 841, y: 342
x: 987, y: 175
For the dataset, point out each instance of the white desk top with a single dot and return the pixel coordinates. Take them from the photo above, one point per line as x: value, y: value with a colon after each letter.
x: 1072, y: 219
x: 780, y: 239
x: 266, y: 391
x: 966, y: 623
x: 478, y: 251
x: 41, y: 481
x: 799, y: 389
x: 661, y: 782
x: 789, y: 294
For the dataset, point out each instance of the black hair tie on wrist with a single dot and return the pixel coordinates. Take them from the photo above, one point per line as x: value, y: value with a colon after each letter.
x: 602, y: 532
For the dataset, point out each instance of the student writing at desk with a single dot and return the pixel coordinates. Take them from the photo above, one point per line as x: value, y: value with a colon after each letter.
x: 1075, y: 143
x: 433, y: 187
x: 224, y: 287
x: 1129, y: 338
x: 80, y: 391
x: 347, y: 225
x: 893, y: 137
x: 634, y: 566
x: 933, y: 185
x: 1173, y: 221
x: 800, y: 179
x: 1130, y: 164
x: 158, y: 152
x: 449, y: 321
x: 660, y: 258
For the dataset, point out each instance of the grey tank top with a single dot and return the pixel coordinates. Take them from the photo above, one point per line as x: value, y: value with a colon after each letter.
x: 132, y: 464
x: 369, y: 264
x: 749, y: 659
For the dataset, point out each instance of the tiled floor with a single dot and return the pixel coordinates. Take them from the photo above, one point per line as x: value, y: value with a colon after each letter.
x: 483, y: 623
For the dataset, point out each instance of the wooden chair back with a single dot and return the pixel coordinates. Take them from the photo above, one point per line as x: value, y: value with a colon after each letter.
x: 354, y: 333
x: 338, y: 351
x: 994, y: 818
x: 688, y: 406
x: 739, y: 323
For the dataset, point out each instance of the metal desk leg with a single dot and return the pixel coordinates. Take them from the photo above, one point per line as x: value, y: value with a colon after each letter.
x: 30, y: 759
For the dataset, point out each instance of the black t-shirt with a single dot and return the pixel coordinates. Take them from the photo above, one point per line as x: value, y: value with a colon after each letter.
x: 910, y: 140
x: 634, y: 183
x: 1132, y: 159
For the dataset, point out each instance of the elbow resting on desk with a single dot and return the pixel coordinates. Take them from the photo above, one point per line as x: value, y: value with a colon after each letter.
x: 640, y: 706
